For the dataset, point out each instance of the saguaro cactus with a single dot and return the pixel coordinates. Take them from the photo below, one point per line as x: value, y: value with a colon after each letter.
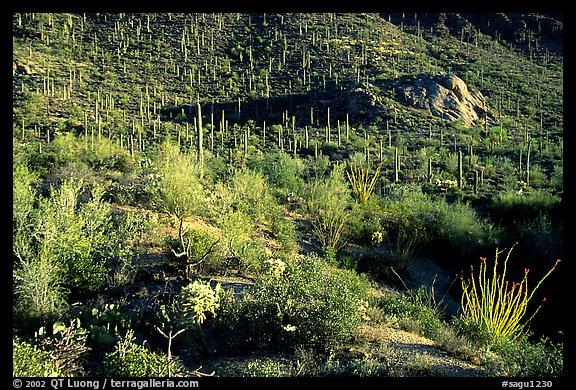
x: 396, y: 165
x: 460, y: 181
x: 200, y: 146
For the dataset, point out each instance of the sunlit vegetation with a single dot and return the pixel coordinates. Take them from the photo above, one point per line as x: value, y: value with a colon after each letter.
x: 191, y: 188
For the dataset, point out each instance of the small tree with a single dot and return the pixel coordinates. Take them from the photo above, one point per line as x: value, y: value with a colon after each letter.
x: 179, y: 190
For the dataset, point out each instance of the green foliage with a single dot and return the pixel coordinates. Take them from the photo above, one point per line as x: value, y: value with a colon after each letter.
x: 298, y: 302
x: 433, y: 222
x: 250, y: 195
x: 30, y: 361
x: 203, y: 249
x: 133, y: 360
x: 362, y: 181
x: 365, y: 223
x: 522, y: 357
x: 327, y: 203
x: 539, y: 359
x: 66, y: 346
x: 199, y: 300
x: 67, y: 240
x: 513, y: 207
x: 105, y: 154
x: 408, y: 312
x: 178, y: 187
x: 283, y: 172
x: 496, y: 303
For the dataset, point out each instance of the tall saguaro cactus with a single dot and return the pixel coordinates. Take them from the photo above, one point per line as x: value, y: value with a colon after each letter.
x: 200, y: 145
x: 396, y: 165
x: 460, y: 180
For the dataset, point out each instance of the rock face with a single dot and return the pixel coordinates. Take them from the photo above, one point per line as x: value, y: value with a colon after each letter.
x: 444, y: 96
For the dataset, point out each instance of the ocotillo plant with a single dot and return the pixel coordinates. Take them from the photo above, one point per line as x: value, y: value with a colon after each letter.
x: 495, y: 302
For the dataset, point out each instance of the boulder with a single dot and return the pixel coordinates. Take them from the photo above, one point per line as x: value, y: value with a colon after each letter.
x: 442, y: 95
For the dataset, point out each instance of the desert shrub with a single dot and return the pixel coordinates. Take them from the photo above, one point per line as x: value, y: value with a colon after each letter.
x: 282, y: 172
x: 66, y: 346
x: 533, y: 219
x: 203, y: 248
x: 30, y: 361
x: 244, y: 208
x: 365, y: 223
x: 557, y: 177
x: 496, y: 303
x: 70, y: 239
x: 476, y: 333
x: 250, y: 194
x: 38, y: 289
x: 284, y: 231
x: 410, y: 313
x: 300, y: 302
x: 317, y: 168
x: 540, y: 237
x: 177, y: 188
x: 37, y: 283
x: 67, y: 149
x: 105, y: 154
x: 511, y: 207
x: 327, y: 203
x: 75, y: 233
x: 434, y: 223
x: 524, y: 358
x: 133, y: 360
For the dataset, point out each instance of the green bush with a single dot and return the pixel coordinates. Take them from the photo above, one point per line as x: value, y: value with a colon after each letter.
x: 250, y: 194
x: 327, y: 203
x: 132, y: 360
x: 178, y: 188
x: 365, y: 223
x: 283, y: 172
x: 204, y: 250
x: 105, y: 154
x: 69, y: 240
x: 512, y: 207
x: 29, y: 361
x: 37, y: 283
x: 434, y: 223
x: 412, y: 314
x: 540, y: 359
x: 300, y: 302
x: 67, y: 149
x: 242, y: 209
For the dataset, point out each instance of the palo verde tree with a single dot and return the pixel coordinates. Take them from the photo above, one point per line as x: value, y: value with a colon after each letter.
x: 179, y: 191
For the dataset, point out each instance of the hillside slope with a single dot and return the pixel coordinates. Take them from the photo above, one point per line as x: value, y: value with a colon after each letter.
x: 152, y: 151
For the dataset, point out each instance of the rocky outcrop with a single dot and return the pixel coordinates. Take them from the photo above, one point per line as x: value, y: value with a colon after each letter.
x: 442, y: 95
